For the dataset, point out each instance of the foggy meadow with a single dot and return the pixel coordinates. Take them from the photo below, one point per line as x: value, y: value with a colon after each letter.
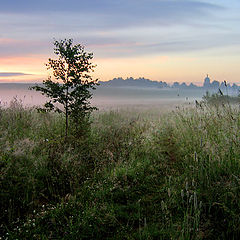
x: 132, y: 130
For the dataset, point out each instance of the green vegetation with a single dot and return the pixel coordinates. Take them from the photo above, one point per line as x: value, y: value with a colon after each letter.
x: 72, y: 96
x: 220, y: 99
x: 134, y: 176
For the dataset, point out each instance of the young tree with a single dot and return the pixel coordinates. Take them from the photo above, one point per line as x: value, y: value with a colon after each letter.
x: 70, y: 92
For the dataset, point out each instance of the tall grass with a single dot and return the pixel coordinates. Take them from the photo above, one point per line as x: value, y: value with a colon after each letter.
x: 136, y: 175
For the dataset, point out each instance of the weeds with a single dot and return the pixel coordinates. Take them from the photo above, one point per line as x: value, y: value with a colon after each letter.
x: 174, y: 176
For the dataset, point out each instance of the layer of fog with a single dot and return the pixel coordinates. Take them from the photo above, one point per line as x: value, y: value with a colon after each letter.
x: 108, y: 97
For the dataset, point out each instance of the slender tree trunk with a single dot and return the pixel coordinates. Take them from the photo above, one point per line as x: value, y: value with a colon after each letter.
x: 67, y: 95
x: 66, y: 116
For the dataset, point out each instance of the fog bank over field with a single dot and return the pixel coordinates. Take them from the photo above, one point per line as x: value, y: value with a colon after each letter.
x: 105, y: 97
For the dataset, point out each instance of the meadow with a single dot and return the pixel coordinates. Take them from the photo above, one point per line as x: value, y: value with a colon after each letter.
x: 135, y: 174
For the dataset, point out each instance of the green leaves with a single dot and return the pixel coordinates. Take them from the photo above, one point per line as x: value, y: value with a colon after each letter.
x: 71, y: 88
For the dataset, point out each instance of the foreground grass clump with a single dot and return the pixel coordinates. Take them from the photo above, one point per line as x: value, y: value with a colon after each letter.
x: 219, y: 98
x: 174, y: 176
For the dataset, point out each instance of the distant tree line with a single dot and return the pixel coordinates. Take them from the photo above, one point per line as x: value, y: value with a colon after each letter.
x: 214, y: 86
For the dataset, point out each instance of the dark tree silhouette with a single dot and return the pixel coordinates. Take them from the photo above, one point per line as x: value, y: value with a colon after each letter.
x: 69, y: 92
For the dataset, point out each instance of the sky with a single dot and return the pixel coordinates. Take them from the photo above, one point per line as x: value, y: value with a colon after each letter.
x: 162, y: 40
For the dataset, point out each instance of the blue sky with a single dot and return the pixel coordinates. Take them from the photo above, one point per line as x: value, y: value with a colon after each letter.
x: 172, y: 40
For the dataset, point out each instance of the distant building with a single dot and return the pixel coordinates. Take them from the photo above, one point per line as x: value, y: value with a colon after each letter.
x: 207, y: 83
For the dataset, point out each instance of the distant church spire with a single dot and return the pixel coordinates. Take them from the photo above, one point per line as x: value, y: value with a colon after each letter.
x: 206, y: 83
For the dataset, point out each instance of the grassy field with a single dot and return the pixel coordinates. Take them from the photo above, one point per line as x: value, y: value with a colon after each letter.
x: 134, y: 175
